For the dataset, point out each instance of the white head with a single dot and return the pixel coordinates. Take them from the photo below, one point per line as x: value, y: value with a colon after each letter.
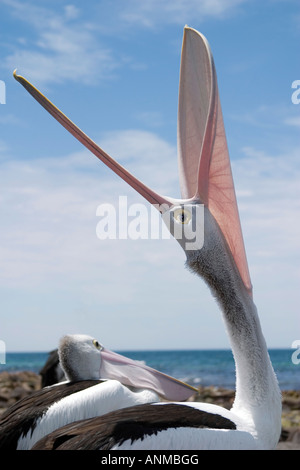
x: 83, y: 358
x: 80, y: 357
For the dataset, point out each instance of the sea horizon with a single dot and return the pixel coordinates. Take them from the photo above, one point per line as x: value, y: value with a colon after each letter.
x: 198, y: 367
x: 21, y: 351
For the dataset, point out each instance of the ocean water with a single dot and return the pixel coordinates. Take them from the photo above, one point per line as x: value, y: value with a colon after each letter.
x: 196, y: 367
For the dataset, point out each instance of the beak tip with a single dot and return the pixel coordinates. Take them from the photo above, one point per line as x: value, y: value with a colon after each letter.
x: 16, y: 76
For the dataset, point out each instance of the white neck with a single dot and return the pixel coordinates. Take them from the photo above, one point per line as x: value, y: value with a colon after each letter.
x: 257, y: 391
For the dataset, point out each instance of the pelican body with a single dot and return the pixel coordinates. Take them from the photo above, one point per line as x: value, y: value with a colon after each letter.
x: 87, y: 392
x: 254, y: 422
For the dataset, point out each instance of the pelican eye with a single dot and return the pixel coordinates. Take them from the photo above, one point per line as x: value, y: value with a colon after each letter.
x: 97, y: 344
x: 182, y: 216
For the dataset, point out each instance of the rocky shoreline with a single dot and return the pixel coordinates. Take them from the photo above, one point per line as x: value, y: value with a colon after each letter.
x: 17, y: 385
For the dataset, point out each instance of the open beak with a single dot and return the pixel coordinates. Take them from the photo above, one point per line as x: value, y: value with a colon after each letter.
x: 138, y: 375
x: 204, y: 165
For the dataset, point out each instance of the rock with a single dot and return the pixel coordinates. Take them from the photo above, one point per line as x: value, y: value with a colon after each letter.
x: 217, y: 395
x: 16, y: 385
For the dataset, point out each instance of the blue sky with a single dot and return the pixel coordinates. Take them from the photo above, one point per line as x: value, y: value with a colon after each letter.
x: 113, y: 68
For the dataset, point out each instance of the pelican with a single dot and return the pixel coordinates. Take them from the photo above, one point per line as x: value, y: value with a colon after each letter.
x: 86, y: 393
x: 51, y: 371
x: 215, y: 251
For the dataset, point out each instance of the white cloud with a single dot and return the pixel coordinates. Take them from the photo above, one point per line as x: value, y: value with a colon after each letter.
x: 151, y: 13
x: 3, y: 146
x: 63, y: 46
x: 71, y: 12
x: 268, y: 189
x: 293, y: 121
x: 60, y: 47
x: 269, y: 116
